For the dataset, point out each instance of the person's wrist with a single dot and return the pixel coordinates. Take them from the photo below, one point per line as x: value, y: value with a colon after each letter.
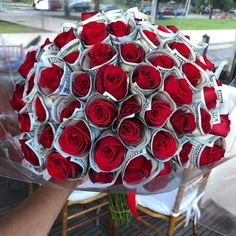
x: 69, y: 185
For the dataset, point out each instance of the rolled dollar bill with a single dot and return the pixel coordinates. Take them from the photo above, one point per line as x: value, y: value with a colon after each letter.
x: 160, y: 140
x: 207, y: 150
x: 157, y: 109
x: 181, y: 51
x: 140, y: 168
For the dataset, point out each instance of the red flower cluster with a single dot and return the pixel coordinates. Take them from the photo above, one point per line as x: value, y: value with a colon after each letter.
x: 118, y: 99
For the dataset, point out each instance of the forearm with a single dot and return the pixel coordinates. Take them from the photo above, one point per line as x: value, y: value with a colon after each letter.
x: 36, y: 215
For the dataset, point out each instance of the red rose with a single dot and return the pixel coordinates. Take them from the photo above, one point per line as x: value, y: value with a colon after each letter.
x: 163, y: 29
x: 50, y: 78
x: 209, y: 64
x: 119, y: 28
x: 166, y: 170
x: 223, y: 128
x: 40, y: 110
x: 17, y: 102
x: 183, y: 122
x: 75, y: 139
x: 211, y: 154
x: 75, y: 170
x: 28, y: 63
x: 206, y: 64
x: 184, y: 153
x: 72, y: 57
x: 192, y: 73
x: 205, y: 121
x: 160, y: 111
x: 87, y: 15
x: 218, y: 82
x: 129, y: 107
x: 210, y: 97
x: 137, y: 20
x: 137, y: 170
x: 60, y: 168
x: 100, y: 53
x: 25, y: 123
x: 46, y: 137
x: 29, y: 154
x: 131, y: 52
x: 173, y: 28
x: 101, y: 177
x: 147, y: 77
x: 152, y: 37
x: 30, y: 84
x: 81, y: 85
x: 109, y: 153
x: 46, y: 42
x: 201, y: 64
x: 163, y: 145
x: 187, y: 36
x: 163, y: 61
x: 112, y: 79
x: 179, y: 90
x: 130, y: 131
x: 119, y: 180
x: 63, y: 38
x: 161, y: 180
x: 181, y: 48
x: 101, y: 112
x: 93, y: 33
x: 69, y: 109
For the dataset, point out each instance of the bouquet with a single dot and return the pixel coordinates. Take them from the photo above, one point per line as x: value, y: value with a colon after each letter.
x: 120, y: 100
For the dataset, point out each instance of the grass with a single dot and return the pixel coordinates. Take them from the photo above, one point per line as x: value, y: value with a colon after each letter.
x: 6, y: 27
x: 71, y: 17
x: 199, y: 24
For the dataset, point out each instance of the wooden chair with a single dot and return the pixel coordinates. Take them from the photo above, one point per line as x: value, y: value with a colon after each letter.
x: 87, y: 200
x: 30, y: 186
x: 173, y: 206
x: 9, y: 51
x: 11, y: 56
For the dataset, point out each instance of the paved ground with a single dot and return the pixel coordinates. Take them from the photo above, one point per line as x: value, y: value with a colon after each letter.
x: 37, y: 19
x: 41, y: 20
x: 17, y: 191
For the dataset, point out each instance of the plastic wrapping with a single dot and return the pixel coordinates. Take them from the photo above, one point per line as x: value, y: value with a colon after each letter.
x: 218, y: 208
x: 11, y: 155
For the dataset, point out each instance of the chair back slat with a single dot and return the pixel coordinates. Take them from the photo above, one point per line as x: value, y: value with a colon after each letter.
x: 10, y: 51
x: 189, y: 185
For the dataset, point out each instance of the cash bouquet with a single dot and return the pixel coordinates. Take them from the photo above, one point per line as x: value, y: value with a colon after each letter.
x: 120, y: 100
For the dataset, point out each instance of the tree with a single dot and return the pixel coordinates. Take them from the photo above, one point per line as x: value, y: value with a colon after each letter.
x: 97, y: 5
x: 220, y: 4
x: 66, y: 8
x: 209, y: 5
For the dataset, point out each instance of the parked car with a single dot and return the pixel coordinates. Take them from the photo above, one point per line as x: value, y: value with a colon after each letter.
x: 79, y: 6
x: 232, y: 11
x: 179, y: 12
x: 109, y: 8
x: 47, y: 5
x: 169, y: 11
x: 147, y: 9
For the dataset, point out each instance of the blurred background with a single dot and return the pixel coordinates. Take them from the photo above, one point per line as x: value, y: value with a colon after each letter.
x: 25, y: 24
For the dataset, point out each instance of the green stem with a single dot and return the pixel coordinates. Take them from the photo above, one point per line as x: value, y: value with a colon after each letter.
x: 119, y: 208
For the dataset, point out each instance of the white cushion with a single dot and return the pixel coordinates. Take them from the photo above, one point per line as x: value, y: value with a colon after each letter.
x: 81, y: 195
x: 164, y: 202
